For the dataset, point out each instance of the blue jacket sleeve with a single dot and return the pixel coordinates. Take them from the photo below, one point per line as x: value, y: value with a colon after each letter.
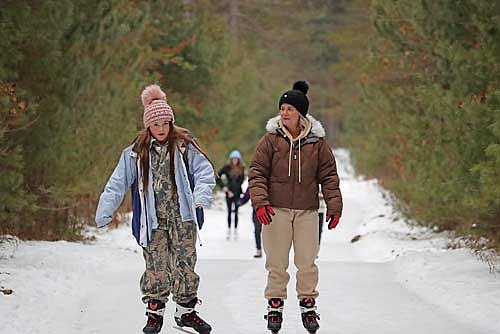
x: 204, y: 177
x: 118, y: 184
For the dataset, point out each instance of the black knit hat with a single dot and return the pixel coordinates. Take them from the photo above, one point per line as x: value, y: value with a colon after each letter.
x: 297, y: 97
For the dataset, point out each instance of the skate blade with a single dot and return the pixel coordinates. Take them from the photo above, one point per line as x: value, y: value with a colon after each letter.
x: 189, y: 331
x: 185, y: 330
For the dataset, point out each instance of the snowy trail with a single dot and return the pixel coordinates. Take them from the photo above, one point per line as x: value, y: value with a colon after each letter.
x: 396, y: 279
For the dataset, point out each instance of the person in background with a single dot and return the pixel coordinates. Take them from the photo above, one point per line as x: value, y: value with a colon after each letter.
x: 155, y: 168
x: 289, y: 163
x: 231, y: 177
x: 257, y: 227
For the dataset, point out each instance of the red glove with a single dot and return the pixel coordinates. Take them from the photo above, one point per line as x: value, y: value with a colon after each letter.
x: 264, y: 214
x: 332, y: 221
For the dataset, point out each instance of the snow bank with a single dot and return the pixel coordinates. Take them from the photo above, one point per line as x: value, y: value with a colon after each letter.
x: 452, y: 279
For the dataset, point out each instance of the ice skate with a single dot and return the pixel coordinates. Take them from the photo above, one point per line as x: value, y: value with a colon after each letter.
x: 154, y: 311
x: 274, y: 314
x: 186, y: 316
x: 258, y: 253
x: 309, y: 316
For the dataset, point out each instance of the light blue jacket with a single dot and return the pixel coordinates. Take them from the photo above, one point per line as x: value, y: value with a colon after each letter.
x: 128, y: 175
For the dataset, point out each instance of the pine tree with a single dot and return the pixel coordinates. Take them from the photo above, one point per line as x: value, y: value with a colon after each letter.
x: 426, y: 122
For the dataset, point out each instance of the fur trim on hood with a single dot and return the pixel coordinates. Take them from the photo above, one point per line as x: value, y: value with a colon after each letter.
x: 316, y: 126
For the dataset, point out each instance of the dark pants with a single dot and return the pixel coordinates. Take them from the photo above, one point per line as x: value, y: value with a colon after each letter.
x: 321, y: 217
x: 232, y: 202
x: 257, y: 230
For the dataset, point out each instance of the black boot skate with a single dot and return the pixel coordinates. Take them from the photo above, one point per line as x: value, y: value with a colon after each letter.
x: 186, y: 316
x: 274, y: 314
x: 154, y: 311
x: 309, y: 316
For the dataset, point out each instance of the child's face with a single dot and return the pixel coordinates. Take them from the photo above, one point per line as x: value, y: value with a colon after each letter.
x: 160, y: 130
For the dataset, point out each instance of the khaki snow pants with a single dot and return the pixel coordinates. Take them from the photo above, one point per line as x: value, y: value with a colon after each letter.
x: 300, y: 229
x: 170, y: 261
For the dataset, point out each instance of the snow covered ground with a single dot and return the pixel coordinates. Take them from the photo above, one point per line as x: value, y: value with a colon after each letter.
x: 395, y: 279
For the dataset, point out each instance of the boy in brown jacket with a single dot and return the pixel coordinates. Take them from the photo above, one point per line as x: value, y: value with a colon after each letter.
x: 289, y: 163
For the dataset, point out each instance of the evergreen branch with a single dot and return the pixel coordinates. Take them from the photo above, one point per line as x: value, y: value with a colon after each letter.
x: 62, y: 208
x: 30, y: 123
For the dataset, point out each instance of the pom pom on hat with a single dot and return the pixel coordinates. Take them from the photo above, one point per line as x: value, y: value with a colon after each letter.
x: 303, y: 86
x: 155, y: 105
x: 151, y: 93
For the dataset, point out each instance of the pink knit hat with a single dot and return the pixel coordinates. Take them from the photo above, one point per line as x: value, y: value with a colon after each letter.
x: 155, y: 105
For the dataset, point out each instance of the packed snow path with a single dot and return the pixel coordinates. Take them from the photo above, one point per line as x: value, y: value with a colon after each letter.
x: 395, y: 279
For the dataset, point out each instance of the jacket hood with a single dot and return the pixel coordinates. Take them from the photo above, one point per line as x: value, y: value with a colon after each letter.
x: 317, y: 129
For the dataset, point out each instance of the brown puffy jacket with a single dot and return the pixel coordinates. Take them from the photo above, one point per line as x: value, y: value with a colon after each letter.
x: 287, y: 176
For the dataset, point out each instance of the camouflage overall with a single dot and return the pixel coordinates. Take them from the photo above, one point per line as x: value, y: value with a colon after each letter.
x: 171, y: 256
x: 166, y: 201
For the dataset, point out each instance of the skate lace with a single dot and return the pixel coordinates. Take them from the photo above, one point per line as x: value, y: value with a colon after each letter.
x: 196, y: 319
x: 310, y: 317
x: 274, y: 317
x: 152, y: 321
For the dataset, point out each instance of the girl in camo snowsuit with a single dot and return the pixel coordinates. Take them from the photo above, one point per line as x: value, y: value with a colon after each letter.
x: 171, y: 179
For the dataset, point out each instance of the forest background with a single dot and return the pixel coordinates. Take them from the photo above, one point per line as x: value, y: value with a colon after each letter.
x: 411, y: 88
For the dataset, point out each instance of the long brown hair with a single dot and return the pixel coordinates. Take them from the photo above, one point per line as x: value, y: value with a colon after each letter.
x: 238, y: 169
x: 175, y: 135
